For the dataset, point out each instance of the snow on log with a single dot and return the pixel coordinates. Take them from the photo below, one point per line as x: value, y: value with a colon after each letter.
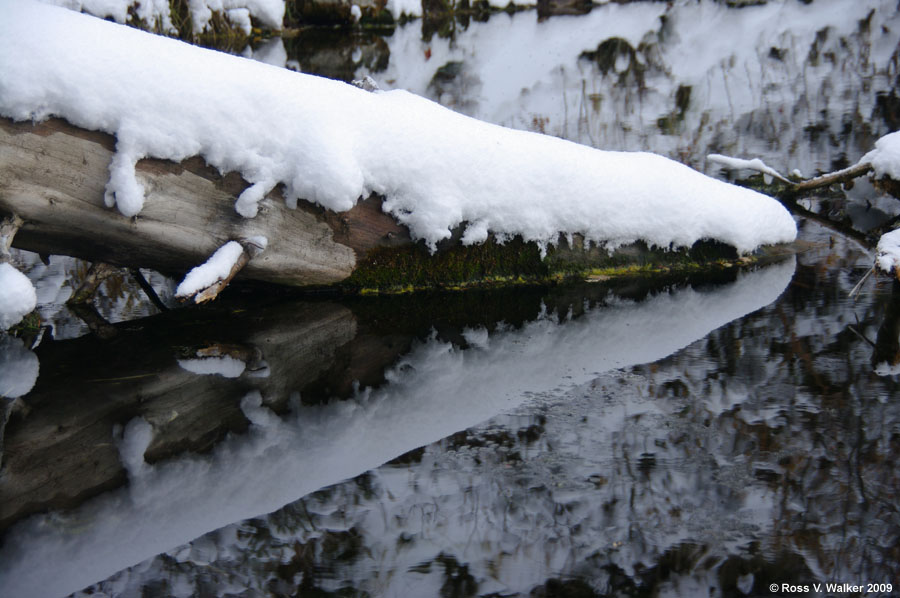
x: 754, y: 164
x: 206, y: 281
x: 309, y: 141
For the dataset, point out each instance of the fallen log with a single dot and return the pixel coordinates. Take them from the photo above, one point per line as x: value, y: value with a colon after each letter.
x: 207, y: 158
x: 53, y: 174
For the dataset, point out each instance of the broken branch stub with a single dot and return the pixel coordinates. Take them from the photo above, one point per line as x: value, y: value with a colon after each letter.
x: 205, y: 282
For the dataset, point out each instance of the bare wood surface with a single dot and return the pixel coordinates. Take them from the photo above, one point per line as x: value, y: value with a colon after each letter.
x: 8, y: 229
x: 53, y: 174
x: 839, y: 176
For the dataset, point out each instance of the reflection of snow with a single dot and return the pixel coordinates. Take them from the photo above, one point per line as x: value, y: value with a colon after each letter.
x: 716, y: 469
x: 224, y: 365
x: 780, y: 81
x: 434, y: 391
x: 18, y: 368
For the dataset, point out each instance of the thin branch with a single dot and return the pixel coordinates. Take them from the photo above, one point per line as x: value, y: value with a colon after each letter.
x: 249, y: 248
x: 839, y: 176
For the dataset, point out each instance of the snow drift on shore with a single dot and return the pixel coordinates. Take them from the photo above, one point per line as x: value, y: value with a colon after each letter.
x: 331, y: 143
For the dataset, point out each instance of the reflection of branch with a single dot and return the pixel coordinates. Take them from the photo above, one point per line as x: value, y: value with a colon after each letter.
x: 97, y: 273
x: 95, y: 322
x: 839, y: 227
x: 148, y: 290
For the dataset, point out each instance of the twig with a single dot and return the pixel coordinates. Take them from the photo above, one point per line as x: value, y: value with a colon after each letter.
x: 856, y: 290
x: 249, y: 248
x: 839, y: 176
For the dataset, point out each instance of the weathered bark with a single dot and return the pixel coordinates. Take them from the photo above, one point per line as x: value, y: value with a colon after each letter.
x: 840, y: 176
x: 53, y: 175
x: 8, y: 229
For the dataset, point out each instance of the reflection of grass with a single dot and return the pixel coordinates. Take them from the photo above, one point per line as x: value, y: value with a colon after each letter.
x: 219, y: 34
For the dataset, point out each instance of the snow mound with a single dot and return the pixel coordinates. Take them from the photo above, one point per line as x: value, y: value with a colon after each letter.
x: 331, y: 143
x: 17, y: 296
x: 885, y: 158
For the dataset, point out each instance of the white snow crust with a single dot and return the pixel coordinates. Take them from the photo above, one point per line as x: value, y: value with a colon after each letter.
x: 885, y: 158
x: 17, y: 296
x: 887, y: 252
x: 332, y: 143
x: 216, y: 268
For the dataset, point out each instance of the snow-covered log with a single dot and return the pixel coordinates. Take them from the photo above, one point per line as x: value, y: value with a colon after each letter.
x: 229, y: 148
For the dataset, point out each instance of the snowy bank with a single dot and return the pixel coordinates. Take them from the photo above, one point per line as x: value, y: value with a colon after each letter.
x: 331, y: 143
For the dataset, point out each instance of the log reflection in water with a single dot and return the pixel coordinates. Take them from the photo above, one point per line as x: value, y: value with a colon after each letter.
x: 433, y: 391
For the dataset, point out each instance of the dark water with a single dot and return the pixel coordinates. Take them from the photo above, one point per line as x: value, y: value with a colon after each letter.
x: 708, y: 435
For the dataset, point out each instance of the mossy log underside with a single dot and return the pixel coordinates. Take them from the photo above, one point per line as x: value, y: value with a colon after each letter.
x: 53, y: 174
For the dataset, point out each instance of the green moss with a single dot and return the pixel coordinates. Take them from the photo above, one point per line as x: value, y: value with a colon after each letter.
x: 400, y: 270
x: 28, y: 328
x: 413, y: 267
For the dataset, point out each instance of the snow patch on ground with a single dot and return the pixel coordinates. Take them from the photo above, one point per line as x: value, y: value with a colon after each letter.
x: 332, y: 143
